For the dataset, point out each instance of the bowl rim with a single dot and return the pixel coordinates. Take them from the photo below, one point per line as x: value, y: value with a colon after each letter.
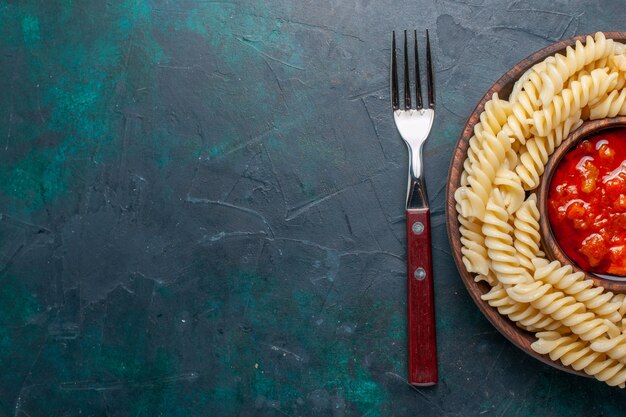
x: 519, y: 337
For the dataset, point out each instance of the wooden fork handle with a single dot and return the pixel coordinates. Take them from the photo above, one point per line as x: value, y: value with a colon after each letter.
x: 421, y: 322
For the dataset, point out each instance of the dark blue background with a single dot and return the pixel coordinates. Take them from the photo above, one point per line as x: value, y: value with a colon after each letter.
x: 202, y: 209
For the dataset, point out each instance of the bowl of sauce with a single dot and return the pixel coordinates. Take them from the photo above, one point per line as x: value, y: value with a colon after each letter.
x: 582, y: 200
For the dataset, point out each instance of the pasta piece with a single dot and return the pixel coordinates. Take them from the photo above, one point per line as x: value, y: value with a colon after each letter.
x: 495, y: 147
x: 486, y: 149
x: 621, y: 300
x: 519, y: 121
x: 493, y: 117
x: 568, y: 103
x: 510, y: 185
x: 572, y: 99
x: 575, y: 284
x: 499, y: 242
x: 489, y: 279
x: 491, y: 120
x: 619, y: 62
x: 561, y: 307
x: 473, y: 197
x: 526, y: 233
x: 556, y: 73
x: 531, y: 72
x: 573, y: 352
x: 570, y: 350
x: 473, y: 247
x: 619, y: 48
x: 614, y: 347
x: 521, y: 313
x: 538, y: 149
x: 611, y: 105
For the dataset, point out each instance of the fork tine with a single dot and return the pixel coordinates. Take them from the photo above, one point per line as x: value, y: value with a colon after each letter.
x: 418, y: 84
x: 431, y: 81
x: 407, y: 79
x: 395, y: 97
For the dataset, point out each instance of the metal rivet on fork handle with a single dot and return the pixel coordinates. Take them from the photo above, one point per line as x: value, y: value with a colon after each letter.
x: 419, y: 274
x: 418, y: 228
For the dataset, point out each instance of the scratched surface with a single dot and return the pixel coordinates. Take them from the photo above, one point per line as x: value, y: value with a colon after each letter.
x: 202, y: 209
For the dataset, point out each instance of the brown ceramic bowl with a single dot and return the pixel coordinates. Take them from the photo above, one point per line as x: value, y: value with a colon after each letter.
x: 549, y: 243
x: 520, y: 338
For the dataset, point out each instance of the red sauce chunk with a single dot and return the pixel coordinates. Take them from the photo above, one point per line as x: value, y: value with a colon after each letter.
x: 587, y: 203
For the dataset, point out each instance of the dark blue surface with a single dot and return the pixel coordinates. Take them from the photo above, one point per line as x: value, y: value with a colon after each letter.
x: 202, y: 209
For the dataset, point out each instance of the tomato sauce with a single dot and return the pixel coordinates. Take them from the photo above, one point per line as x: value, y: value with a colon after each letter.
x: 587, y: 203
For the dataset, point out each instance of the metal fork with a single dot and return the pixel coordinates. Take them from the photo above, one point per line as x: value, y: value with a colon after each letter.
x: 414, y: 125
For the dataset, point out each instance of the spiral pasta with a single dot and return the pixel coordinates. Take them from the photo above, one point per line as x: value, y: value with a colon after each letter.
x: 573, y: 352
x: 575, y: 284
x: 519, y: 121
x: 510, y: 186
x: 614, y: 347
x: 499, y: 242
x: 526, y: 233
x: 473, y: 247
x: 563, y: 67
x: 621, y: 300
x: 533, y: 72
x: 572, y: 100
x: 611, y: 105
x: 576, y: 322
x: 563, y: 308
x: 489, y: 279
x: 523, y: 314
x: 557, y: 72
x: 473, y: 198
x: 538, y: 149
x: 491, y: 120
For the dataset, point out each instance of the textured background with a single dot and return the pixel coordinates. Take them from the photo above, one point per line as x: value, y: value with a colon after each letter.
x: 202, y: 209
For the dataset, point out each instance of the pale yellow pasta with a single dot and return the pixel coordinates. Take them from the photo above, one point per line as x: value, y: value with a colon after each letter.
x: 493, y: 117
x: 522, y: 314
x: 510, y: 185
x: 556, y: 73
x: 572, y: 99
x: 619, y: 61
x: 573, y: 352
x: 574, y: 283
x: 570, y: 350
x: 619, y: 48
x: 621, y: 300
x: 495, y: 147
x: 607, y: 370
x: 561, y: 307
x: 614, y: 347
x: 519, y: 121
x: 533, y: 72
x: 473, y: 246
x: 473, y: 197
x: 489, y: 279
x: 499, y: 242
x: 491, y: 120
x: 537, y: 150
x: 613, y: 104
x: 526, y: 233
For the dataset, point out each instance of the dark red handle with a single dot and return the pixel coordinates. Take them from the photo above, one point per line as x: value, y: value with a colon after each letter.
x: 421, y: 332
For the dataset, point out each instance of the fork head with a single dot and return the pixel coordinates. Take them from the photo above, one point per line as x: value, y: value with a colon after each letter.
x: 413, y: 123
